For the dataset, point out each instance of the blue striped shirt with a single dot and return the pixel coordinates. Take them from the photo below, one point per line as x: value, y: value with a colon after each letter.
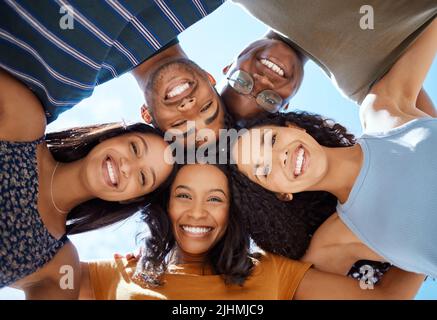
x: 62, y: 49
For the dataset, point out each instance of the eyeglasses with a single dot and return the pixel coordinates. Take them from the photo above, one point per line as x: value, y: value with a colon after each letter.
x: 243, y: 83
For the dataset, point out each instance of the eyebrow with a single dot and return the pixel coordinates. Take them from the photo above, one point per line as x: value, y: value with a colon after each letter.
x: 211, y: 190
x: 146, y: 147
x: 218, y: 190
x: 182, y: 187
x: 257, y: 166
x: 207, y: 121
x: 146, y: 150
x: 214, y: 116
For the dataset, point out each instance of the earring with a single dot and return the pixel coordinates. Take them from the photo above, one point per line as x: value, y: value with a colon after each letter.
x: 211, y: 79
x: 284, y: 196
x: 145, y: 114
x: 226, y: 69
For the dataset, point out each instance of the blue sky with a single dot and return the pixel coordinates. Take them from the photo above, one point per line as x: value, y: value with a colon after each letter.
x: 212, y: 43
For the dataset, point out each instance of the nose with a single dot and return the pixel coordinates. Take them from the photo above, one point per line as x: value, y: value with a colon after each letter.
x: 283, y: 156
x: 197, y: 212
x: 125, y: 167
x: 187, y: 105
x: 263, y: 161
x: 261, y: 82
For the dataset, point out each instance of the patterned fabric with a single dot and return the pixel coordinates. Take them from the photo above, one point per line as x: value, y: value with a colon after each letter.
x: 25, y: 243
x: 370, y: 271
x: 62, y: 49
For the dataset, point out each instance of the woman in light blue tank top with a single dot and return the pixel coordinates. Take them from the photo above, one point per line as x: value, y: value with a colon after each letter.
x: 386, y: 184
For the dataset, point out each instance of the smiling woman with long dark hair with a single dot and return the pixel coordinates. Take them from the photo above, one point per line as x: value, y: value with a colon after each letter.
x: 65, y: 183
x: 384, y: 184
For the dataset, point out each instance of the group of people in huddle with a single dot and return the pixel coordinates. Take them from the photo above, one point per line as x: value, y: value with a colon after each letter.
x: 302, y: 209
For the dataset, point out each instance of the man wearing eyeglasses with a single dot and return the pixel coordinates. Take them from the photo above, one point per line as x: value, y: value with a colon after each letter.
x: 268, y: 72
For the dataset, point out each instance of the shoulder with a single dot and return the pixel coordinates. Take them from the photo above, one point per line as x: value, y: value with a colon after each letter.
x: 22, y: 117
x: 281, y: 264
x: 65, y: 265
x: 378, y: 111
x: 381, y: 111
x: 284, y: 274
x: 108, y: 270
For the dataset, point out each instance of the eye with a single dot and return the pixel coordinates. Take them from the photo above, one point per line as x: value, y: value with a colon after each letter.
x: 143, y: 178
x: 206, y: 107
x: 179, y: 123
x: 183, y: 196
x: 273, y: 139
x: 242, y: 82
x: 134, y: 148
x: 270, y: 101
x: 266, y: 171
x: 215, y: 199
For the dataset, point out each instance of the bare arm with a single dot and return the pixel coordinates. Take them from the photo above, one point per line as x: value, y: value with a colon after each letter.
x: 22, y: 116
x: 405, y: 79
x: 393, y: 100
x: 58, y: 279
x: 396, y: 284
x: 425, y: 104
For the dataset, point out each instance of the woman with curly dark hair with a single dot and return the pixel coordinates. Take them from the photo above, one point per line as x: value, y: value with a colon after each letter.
x: 65, y: 183
x: 366, y: 188
x: 198, y: 248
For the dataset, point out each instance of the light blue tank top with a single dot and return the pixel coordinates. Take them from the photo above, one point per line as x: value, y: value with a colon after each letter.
x: 392, y: 207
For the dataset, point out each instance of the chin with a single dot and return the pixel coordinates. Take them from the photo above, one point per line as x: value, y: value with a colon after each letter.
x: 196, y: 251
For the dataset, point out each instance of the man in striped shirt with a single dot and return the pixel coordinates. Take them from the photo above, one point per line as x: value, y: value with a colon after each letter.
x: 62, y: 49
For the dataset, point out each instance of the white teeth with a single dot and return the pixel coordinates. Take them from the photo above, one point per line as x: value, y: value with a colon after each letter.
x: 272, y: 66
x: 299, y: 162
x: 111, y: 172
x: 196, y: 230
x: 179, y: 89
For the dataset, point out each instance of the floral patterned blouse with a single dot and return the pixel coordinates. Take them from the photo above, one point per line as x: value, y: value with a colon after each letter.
x: 25, y: 243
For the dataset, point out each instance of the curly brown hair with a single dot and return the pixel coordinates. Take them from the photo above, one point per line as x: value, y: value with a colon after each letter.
x: 286, y: 228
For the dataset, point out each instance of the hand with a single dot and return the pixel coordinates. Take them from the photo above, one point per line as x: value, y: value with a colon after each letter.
x: 134, y: 256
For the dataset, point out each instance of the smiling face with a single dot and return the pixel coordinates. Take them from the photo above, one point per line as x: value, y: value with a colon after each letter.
x: 179, y: 92
x: 199, y: 208
x: 283, y: 159
x: 274, y: 66
x: 127, y: 166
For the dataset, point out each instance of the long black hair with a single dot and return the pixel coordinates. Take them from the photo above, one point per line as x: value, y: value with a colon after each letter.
x: 74, y: 144
x: 286, y: 228
x: 230, y: 257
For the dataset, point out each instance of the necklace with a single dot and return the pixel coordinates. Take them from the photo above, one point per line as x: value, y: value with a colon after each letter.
x: 51, y: 191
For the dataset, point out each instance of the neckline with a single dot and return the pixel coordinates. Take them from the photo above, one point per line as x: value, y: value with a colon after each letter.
x: 397, y: 129
x: 37, y: 195
x: 191, y: 269
x: 360, y: 178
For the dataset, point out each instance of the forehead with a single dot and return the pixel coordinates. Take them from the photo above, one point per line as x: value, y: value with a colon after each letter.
x: 256, y: 45
x: 201, y: 177
x: 129, y: 135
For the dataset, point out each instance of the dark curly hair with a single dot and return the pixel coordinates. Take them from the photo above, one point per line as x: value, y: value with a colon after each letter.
x: 74, y: 144
x: 230, y: 257
x: 286, y: 228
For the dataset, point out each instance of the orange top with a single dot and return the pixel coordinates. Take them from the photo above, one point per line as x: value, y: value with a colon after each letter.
x: 273, y: 278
